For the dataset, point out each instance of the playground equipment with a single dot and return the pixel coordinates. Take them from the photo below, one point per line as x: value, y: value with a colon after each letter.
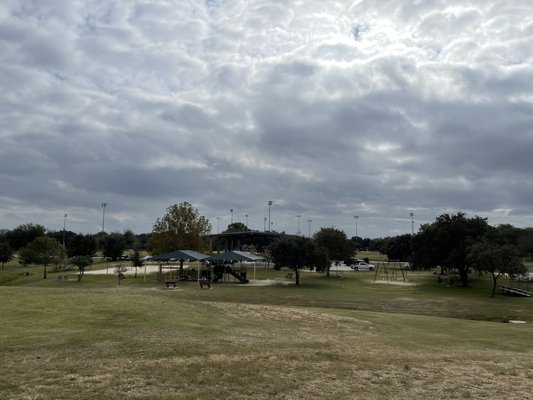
x: 390, y: 270
x: 221, y: 273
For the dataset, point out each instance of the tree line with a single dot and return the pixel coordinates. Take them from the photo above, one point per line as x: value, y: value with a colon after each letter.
x: 35, y: 245
x: 454, y: 243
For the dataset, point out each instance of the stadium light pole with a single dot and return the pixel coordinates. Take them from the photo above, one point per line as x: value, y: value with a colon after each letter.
x: 231, y: 211
x: 412, y: 214
x: 246, y: 216
x: 270, y: 202
x: 104, y: 205
x: 264, y: 224
x: 64, y: 228
x: 356, y: 217
x: 298, y: 218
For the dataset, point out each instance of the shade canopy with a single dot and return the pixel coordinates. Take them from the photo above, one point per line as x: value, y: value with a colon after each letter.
x: 181, y: 255
x: 236, y: 256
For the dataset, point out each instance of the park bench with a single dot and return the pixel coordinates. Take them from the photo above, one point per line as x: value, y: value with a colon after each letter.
x: 170, y: 283
x: 204, y: 282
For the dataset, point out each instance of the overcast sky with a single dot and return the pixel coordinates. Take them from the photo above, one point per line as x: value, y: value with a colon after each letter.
x: 330, y: 109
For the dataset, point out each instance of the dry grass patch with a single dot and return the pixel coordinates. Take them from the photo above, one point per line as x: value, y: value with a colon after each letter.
x: 135, y: 344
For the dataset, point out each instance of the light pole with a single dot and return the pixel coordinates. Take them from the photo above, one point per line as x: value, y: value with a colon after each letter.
x: 309, y: 221
x: 265, y: 224
x: 246, y: 216
x: 64, y: 228
x: 269, y: 205
x: 356, y: 217
x: 298, y: 218
x: 218, y: 224
x: 231, y: 211
x: 412, y: 214
x: 104, y: 205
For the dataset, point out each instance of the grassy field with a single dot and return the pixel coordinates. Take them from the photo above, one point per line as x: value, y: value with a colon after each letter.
x: 332, y: 338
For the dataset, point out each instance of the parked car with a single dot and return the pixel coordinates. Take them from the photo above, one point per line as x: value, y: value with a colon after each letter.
x: 362, y: 266
x: 352, y: 261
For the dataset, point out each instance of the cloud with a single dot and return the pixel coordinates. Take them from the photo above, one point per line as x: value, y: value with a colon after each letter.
x: 330, y: 109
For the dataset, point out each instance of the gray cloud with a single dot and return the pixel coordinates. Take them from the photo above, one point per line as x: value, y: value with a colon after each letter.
x: 330, y: 109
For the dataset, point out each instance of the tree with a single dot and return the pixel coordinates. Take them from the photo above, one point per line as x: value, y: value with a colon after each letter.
x: 43, y: 251
x: 338, y: 247
x: 81, y: 262
x: 136, y: 261
x: 507, y: 234
x: 182, y: 227
x: 496, y: 259
x: 6, y: 253
x: 399, y: 247
x: 114, y: 245
x: 129, y: 238
x: 82, y: 245
x: 297, y: 252
x: 121, y: 273
x: 445, y: 243
x: 525, y: 242
x: 24, y: 234
x: 236, y: 227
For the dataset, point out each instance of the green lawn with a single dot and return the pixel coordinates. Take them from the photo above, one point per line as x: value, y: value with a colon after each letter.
x: 334, y: 338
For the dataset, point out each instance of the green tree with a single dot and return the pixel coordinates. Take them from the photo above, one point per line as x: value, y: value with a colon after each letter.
x: 337, y: 245
x: 114, y: 245
x: 297, y: 252
x: 41, y: 251
x: 507, y: 234
x: 82, y: 245
x: 399, y: 247
x: 6, y: 253
x: 136, y: 261
x: 445, y: 243
x: 497, y: 259
x: 525, y: 242
x: 182, y: 227
x: 81, y: 262
x: 236, y: 227
x: 129, y: 238
x: 24, y: 234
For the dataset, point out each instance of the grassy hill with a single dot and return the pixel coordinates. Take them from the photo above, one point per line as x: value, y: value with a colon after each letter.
x: 334, y: 338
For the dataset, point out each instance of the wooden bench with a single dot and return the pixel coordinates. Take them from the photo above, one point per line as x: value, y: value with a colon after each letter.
x: 170, y: 282
x: 204, y: 282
